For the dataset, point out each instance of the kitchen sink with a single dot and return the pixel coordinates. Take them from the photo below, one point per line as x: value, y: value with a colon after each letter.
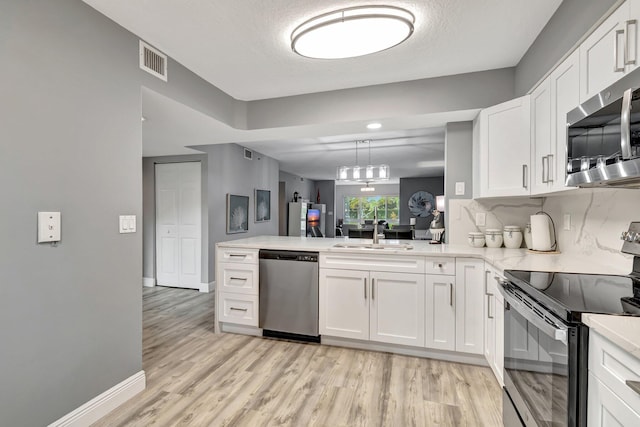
x: 391, y: 245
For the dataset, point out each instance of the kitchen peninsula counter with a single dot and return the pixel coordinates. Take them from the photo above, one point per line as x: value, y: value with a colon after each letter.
x: 501, y: 258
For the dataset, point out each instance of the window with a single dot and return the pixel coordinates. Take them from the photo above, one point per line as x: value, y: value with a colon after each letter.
x: 357, y: 209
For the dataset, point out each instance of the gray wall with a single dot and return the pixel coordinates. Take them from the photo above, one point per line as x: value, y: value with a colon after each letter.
x: 327, y: 190
x: 458, y: 158
x: 435, y: 95
x: 408, y: 186
x: 354, y: 190
x: 305, y: 187
x: 230, y: 172
x: 565, y: 28
x: 149, y: 213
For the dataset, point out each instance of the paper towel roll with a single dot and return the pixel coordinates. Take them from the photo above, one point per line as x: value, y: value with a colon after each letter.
x: 541, y: 233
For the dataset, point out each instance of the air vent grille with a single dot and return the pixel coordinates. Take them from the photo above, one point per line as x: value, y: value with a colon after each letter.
x: 153, y: 61
x: 248, y: 154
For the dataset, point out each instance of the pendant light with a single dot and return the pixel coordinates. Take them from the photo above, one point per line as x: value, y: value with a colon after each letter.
x: 368, y: 173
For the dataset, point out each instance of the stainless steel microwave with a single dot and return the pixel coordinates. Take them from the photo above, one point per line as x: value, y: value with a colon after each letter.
x: 603, y: 138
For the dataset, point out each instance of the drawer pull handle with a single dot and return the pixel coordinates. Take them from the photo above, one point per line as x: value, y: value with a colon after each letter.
x: 237, y: 256
x: 244, y: 279
x: 238, y: 309
x: 439, y: 265
x: 634, y: 385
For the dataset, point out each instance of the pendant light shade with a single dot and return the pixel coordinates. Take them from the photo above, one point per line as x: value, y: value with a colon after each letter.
x: 352, y: 32
x: 358, y: 173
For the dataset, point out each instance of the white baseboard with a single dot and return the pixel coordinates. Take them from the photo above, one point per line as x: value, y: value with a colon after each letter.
x: 104, y: 403
x: 148, y: 282
x: 208, y: 287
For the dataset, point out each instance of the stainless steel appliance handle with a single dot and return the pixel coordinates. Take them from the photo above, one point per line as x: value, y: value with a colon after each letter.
x: 627, y: 52
x: 524, y: 176
x: 625, y: 125
x: 616, y: 49
x: 558, y: 334
x: 549, y: 168
x: 633, y: 385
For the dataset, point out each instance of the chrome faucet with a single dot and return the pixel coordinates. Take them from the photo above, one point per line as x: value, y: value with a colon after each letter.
x: 375, y: 226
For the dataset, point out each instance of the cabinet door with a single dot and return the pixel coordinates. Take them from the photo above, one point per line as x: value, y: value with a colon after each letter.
x: 565, y: 96
x: 344, y: 303
x: 397, y: 308
x: 541, y: 137
x: 489, y: 320
x: 504, y: 149
x: 602, y: 56
x: 440, y: 312
x: 470, y: 291
x: 605, y: 408
x: 498, y: 361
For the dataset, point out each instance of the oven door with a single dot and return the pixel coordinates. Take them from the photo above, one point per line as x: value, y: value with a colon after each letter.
x: 539, y: 367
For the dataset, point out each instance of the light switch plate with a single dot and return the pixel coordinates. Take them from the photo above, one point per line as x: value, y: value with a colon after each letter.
x: 481, y: 219
x: 127, y: 224
x: 460, y: 188
x: 48, y: 227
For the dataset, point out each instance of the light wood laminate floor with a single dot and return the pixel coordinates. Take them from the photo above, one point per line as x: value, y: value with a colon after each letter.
x: 198, y: 378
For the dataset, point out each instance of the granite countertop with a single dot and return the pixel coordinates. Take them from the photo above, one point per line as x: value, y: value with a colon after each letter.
x: 501, y: 258
x: 624, y: 331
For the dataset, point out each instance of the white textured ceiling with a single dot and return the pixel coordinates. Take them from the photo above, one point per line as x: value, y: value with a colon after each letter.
x: 243, y: 46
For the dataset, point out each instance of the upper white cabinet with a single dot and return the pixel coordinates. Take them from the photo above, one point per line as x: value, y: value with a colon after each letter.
x: 504, y: 149
x: 542, y: 143
x: 610, y: 51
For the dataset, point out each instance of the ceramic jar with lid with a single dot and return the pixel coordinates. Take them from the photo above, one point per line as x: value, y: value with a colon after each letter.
x: 512, y: 236
x: 493, y: 237
x: 476, y: 239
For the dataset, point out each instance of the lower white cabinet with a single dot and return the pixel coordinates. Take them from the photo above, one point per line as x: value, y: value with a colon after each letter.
x: 237, y: 286
x: 372, y: 305
x: 611, y: 400
x: 469, y: 295
x: 494, y: 324
x: 441, y: 312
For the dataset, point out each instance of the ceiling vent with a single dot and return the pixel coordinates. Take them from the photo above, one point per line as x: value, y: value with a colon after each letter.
x: 153, y: 61
x: 248, y: 154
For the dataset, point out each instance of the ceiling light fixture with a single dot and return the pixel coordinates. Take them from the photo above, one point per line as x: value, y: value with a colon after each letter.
x: 374, y: 126
x: 367, y: 174
x: 352, y: 32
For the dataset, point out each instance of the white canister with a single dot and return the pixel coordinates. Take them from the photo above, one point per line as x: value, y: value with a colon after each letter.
x: 512, y: 236
x: 493, y: 237
x: 527, y: 236
x: 476, y: 239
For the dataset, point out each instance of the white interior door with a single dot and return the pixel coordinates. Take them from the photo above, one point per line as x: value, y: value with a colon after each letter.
x: 178, y: 225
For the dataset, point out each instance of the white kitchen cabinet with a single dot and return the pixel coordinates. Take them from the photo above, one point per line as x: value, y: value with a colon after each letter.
x: 440, y: 312
x: 469, y: 293
x: 611, y: 402
x: 504, y: 149
x: 372, y: 305
x: 397, y: 309
x: 565, y: 96
x: 542, y: 144
x: 344, y: 303
x: 494, y: 324
x: 237, y: 283
x: 608, y: 53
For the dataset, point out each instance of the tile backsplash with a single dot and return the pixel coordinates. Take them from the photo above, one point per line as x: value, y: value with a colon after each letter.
x: 598, y: 216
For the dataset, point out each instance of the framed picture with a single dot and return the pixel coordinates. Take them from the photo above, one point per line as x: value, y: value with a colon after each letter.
x: 237, y: 214
x: 263, y: 205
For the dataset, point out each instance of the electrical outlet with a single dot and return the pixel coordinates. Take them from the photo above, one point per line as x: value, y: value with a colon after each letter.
x: 567, y: 222
x: 481, y: 219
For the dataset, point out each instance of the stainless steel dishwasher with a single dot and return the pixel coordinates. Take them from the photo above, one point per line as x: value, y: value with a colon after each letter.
x: 289, y: 295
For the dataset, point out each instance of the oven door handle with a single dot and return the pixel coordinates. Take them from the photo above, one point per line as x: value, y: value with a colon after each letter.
x: 558, y: 334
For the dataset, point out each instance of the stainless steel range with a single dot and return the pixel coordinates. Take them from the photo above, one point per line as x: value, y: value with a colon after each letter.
x: 546, y: 343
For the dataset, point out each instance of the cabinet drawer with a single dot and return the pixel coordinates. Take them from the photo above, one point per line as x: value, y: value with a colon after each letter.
x: 239, y: 278
x: 614, y: 366
x: 244, y: 256
x: 441, y: 266
x: 605, y: 408
x: 373, y: 261
x: 238, y: 308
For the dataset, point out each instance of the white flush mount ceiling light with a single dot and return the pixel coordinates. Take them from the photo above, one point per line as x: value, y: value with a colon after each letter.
x: 351, y: 32
x: 374, y: 126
